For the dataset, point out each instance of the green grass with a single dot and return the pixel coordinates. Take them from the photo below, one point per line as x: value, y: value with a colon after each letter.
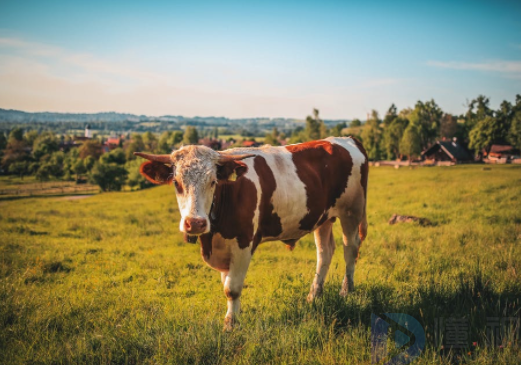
x: 14, y: 187
x: 108, y: 279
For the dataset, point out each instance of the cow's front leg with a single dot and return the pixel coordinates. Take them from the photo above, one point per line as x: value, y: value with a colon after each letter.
x: 234, y: 281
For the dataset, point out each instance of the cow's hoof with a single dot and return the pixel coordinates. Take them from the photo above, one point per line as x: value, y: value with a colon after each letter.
x: 229, y: 324
x: 314, y: 295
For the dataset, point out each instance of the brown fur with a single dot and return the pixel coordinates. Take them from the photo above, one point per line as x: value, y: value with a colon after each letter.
x: 233, y: 210
x: 324, y: 168
x: 269, y: 222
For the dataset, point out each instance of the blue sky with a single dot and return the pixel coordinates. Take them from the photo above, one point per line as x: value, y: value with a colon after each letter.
x: 247, y: 59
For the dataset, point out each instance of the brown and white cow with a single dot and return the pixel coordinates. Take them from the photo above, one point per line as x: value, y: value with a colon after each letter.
x: 236, y: 199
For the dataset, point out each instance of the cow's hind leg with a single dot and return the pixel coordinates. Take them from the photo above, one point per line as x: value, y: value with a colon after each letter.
x: 351, y: 238
x: 325, y: 248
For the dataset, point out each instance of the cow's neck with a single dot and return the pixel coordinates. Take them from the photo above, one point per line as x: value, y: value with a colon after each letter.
x: 232, y: 213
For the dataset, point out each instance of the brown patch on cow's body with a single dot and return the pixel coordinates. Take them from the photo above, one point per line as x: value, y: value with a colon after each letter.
x: 215, y: 251
x: 269, y: 222
x: 206, y: 245
x: 233, y: 210
x: 324, y: 168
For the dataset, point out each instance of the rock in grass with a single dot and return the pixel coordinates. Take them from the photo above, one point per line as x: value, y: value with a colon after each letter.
x: 408, y: 219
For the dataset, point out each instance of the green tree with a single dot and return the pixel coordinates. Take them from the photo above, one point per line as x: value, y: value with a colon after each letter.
x: 371, y: 136
x: 392, y: 135
x: 297, y: 135
x: 30, y: 137
x: 150, y: 141
x: 410, y: 144
x: 336, y: 131
x: 16, y: 134
x: 51, y: 166
x: 45, y: 144
x: 79, y: 168
x: 136, y: 144
x: 427, y: 118
x: 355, y: 123
x: 449, y: 126
x: 116, y: 156
x: 514, y: 133
x: 89, y: 162
x: 135, y: 179
x: 109, y: 173
x: 273, y: 137
x: 3, y: 141
x: 19, y: 168
x: 190, y: 136
x: 108, y: 176
x: 168, y: 140
x: 91, y: 148
x: 315, y: 127
x: 485, y: 133
x: 391, y: 115
x: 477, y: 110
x: 16, y: 149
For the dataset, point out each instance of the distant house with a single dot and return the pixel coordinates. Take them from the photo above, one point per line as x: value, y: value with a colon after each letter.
x: 503, y: 152
x: 450, y: 151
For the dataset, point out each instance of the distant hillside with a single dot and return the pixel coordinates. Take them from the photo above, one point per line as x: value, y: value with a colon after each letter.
x: 18, y: 116
x: 111, y: 123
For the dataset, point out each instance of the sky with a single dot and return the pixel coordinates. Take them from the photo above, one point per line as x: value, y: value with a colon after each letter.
x: 256, y: 59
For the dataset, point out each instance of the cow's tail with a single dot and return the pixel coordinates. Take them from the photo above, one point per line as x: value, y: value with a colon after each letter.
x: 362, y: 227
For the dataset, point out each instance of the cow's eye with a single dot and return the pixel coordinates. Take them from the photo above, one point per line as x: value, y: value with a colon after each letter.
x: 214, y: 182
x: 178, y: 187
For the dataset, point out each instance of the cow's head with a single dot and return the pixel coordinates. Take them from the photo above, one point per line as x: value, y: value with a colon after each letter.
x: 195, y: 171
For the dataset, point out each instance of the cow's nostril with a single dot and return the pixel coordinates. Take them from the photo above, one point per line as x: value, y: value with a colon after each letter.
x: 195, y: 225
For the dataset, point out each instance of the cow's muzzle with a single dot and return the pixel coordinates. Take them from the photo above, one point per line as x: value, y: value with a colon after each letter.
x: 195, y: 226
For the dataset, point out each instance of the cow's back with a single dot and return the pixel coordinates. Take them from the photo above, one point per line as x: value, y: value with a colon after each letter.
x: 300, y: 186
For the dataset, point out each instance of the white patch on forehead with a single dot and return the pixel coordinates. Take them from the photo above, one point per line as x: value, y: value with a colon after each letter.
x: 194, y: 168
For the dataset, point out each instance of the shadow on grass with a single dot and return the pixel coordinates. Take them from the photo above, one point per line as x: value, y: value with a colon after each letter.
x: 470, y: 299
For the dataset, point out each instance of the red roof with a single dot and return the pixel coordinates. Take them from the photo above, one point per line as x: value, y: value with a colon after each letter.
x: 496, y: 148
x: 113, y: 140
x: 249, y: 143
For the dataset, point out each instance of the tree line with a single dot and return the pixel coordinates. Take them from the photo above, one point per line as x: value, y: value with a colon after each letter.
x: 408, y: 132
x: 43, y: 155
x: 399, y: 134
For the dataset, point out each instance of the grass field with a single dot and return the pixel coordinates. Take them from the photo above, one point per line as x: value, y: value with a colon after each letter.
x: 107, y: 279
x: 13, y: 186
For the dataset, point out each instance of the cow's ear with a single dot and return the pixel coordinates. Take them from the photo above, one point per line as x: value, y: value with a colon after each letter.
x: 156, y: 172
x: 231, y: 170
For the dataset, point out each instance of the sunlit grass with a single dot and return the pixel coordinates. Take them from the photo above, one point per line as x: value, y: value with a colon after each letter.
x: 108, y: 279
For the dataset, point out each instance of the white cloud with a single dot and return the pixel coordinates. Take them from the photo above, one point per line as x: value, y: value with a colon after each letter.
x: 41, y: 77
x: 507, y: 68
